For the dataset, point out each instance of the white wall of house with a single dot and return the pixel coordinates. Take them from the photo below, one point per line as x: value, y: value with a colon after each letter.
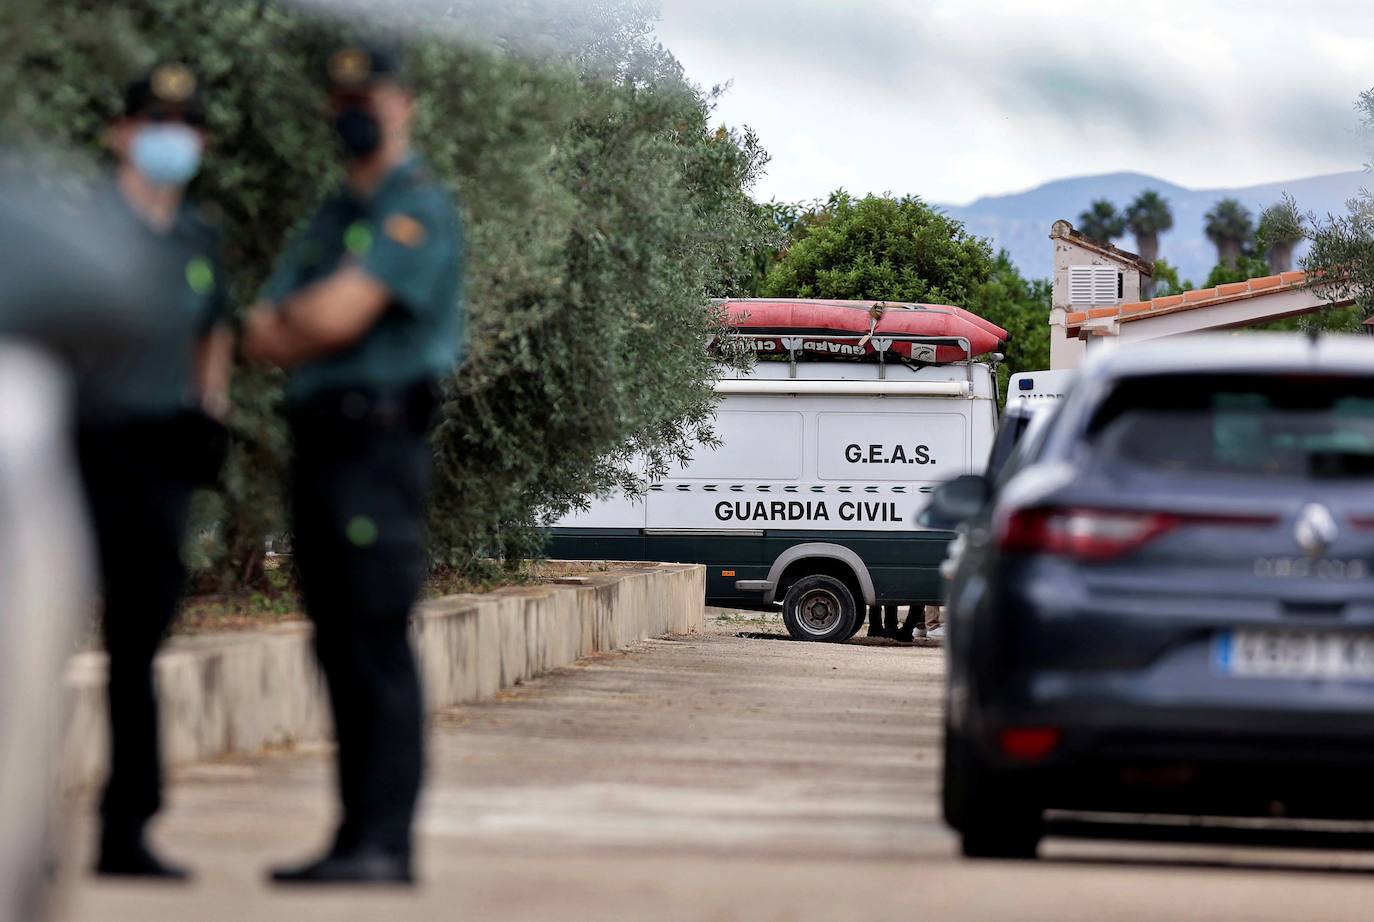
x: 1067, y: 351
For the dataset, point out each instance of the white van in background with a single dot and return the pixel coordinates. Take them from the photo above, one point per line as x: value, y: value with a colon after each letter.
x: 811, y: 498
x: 1039, y: 385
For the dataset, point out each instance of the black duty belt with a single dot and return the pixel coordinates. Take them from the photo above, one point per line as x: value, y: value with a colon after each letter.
x: 189, y: 447
x: 410, y: 407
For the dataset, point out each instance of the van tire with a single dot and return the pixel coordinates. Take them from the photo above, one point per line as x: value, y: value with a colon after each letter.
x: 821, y: 609
x: 858, y: 624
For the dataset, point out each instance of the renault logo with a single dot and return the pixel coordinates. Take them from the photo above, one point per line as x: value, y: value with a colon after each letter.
x: 1316, y: 530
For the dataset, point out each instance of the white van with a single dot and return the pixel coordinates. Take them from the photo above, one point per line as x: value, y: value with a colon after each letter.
x: 1039, y: 386
x: 811, y: 498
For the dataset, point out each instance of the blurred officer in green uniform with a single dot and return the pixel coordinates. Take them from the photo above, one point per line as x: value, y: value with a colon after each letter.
x: 363, y: 311
x: 146, y: 438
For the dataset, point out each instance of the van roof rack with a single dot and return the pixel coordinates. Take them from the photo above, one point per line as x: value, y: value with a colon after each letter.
x: 793, y: 343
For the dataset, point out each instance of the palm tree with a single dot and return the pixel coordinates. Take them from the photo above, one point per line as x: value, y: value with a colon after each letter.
x: 1280, y: 230
x: 1102, y: 221
x: 1229, y: 227
x: 1148, y: 217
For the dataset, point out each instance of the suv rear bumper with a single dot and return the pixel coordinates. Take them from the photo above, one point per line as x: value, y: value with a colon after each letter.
x: 1280, y: 778
x: 1119, y: 753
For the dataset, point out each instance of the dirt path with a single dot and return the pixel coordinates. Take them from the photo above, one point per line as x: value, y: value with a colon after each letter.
x: 704, y: 778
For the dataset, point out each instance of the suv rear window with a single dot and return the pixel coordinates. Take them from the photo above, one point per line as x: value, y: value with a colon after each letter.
x: 1275, y: 426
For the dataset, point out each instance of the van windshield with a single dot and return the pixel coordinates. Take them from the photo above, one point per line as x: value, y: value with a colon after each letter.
x: 1294, y: 426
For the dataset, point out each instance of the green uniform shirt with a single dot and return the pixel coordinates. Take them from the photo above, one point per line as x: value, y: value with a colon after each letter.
x: 407, y: 236
x: 155, y: 379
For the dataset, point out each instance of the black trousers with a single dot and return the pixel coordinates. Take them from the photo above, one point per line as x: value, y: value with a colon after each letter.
x: 139, y: 511
x: 358, y: 492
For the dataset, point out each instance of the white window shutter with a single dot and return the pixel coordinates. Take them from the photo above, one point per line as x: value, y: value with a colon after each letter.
x: 1080, y: 284
x: 1105, y: 284
x: 1093, y: 285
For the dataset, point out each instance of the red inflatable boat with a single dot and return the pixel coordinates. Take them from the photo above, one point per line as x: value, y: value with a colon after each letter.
x: 856, y: 329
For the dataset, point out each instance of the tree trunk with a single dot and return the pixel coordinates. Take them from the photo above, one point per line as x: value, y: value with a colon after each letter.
x: 1228, y: 253
x: 1281, y: 258
x: 1147, y: 245
x: 245, y: 552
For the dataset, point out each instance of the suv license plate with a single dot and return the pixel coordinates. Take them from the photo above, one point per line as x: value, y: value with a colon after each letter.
x: 1295, y: 654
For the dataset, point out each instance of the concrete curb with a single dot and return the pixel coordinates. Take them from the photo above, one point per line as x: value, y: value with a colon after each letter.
x: 230, y: 693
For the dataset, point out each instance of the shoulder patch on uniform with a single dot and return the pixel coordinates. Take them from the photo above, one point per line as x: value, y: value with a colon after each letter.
x: 404, y: 229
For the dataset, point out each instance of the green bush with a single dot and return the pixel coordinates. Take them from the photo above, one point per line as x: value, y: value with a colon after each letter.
x: 901, y: 249
x: 602, y: 211
x: 883, y: 249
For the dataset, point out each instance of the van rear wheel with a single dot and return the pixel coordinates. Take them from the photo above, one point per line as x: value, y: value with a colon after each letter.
x: 820, y: 608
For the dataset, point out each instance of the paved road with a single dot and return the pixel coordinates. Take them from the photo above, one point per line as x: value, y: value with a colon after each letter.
x: 703, y: 778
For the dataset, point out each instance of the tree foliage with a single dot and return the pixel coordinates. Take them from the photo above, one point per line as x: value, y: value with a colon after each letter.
x: 1147, y: 217
x: 1281, y: 228
x: 1148, y: 214
x: 1341, y: 257
x: 1230, y: 226
x: 881, y: 248
x: 901, y: 249
x: 1247, y: 265
x: 602, y: 211
x: 1021, y: 307
x: 1102, y: 221
x: 1264, y: 250
x: 1166, y: 280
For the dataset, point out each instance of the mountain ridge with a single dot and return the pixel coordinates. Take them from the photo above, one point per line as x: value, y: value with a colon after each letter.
x: 1019, y: 222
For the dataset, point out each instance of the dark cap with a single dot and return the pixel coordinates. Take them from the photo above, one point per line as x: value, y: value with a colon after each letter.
x: 359, y: 65
x: 169, y: 91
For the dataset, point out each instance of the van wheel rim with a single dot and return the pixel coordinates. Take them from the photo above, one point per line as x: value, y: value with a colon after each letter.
x: 819, y: 612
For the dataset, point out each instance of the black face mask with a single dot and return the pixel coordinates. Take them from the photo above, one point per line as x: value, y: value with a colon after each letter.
x: 359, y: 131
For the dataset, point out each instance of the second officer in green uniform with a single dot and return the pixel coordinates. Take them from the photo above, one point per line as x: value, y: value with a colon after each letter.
x: 364, y: 312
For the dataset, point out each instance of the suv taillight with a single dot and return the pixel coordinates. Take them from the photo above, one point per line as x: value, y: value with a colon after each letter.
x: 1085, y: 534
x: 1099, y: 534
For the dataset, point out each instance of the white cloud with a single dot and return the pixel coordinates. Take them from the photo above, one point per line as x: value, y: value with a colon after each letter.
x: 951, y: 99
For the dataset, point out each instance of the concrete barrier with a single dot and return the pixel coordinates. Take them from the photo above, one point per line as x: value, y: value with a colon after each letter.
x: 240, y: 692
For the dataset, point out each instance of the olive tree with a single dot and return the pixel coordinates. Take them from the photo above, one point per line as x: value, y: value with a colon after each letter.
x: 602, y: 211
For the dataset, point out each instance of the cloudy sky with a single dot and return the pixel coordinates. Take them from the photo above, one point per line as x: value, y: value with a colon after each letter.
x: 953, y: 99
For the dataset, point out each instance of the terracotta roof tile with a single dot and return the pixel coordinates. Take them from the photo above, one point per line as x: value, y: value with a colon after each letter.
x: 1190, y: 300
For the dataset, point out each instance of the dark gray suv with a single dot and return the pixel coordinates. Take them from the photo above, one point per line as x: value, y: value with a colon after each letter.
x: 1166, y: 604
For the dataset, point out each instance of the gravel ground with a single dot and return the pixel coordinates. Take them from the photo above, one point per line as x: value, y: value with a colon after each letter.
x: 710, y: 778
x: 764, y: 625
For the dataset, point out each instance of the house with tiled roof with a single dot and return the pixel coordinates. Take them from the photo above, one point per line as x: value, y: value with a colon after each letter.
x: 1097, y: 297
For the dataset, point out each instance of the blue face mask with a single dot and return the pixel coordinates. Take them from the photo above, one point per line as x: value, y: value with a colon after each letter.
x: 167, y: 154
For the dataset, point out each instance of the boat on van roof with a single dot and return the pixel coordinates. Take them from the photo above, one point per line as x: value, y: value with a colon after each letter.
x: 927, y: 333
